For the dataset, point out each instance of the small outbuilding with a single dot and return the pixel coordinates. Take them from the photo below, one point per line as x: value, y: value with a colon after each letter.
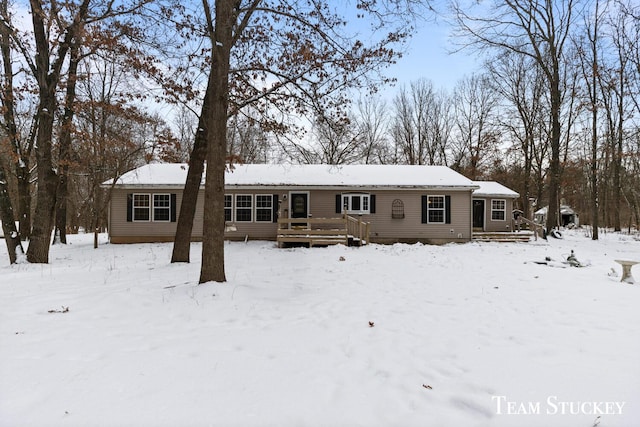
x: 568, y: 216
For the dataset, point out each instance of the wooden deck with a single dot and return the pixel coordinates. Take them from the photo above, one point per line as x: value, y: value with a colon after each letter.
x: 345, y: 230
x: 501, y: 236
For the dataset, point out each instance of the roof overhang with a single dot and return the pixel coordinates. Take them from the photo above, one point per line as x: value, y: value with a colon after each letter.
x: 281, y: 187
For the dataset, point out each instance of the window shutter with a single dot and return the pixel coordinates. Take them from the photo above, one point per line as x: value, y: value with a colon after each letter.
x: 172, y: 209
x: 338, y: 203
x: 447, y: 209
x: 129, y: 207
x: 424, y: 209
x: 275, y: 208
x: 372, y: 203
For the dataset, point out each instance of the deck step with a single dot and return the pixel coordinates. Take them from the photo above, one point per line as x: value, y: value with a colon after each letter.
x: 314, y: 239
x: 507, y: 237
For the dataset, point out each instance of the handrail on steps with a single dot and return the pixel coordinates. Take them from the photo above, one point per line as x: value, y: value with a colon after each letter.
x: 350, y: 226
x: 358, y: 228
x: 537, y: 228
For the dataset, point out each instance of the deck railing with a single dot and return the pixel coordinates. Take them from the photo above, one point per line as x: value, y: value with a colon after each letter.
x: 358, y: 228
x: 538, y: 229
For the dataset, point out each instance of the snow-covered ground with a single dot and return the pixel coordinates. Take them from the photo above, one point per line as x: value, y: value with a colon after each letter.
x: 403, y: 335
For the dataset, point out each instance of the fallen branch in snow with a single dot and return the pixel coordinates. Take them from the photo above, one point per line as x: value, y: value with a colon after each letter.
x: 64, y: 310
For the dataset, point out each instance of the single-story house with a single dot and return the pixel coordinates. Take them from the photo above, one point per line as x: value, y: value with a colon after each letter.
x: 568, y: 217
x: 400, y: 203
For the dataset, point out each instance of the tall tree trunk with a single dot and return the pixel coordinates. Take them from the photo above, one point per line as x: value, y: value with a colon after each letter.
x: 617, y: 178
x: 21, y: 159
x: 24, y: 199
x: 60, y: 234
x: 527, y: 149
x: 47, y: 74
x: 593, y: 93
x: 47, y: 79
x: 38, y: 251
x: 554, y: 165
x: 184, y: 227
x: 98, y: 203
x: 594, y: 170
x: 212, y: 268
x: 64, y: 153
x: 11, y: 234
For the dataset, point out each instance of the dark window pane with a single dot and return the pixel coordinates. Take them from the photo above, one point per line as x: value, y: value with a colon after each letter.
x: 355, y: 203
x: 141, y: 214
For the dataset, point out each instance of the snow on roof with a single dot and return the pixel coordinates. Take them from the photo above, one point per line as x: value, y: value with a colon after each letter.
x: 564, y: 210
x: 170, y: 174
x: 492, y: 188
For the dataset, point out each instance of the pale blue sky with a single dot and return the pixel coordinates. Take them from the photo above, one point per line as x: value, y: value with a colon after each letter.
x: 427, y: 51
x: 428, y: 57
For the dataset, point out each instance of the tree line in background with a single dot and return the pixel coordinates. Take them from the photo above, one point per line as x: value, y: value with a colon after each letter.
x: 94, y: 89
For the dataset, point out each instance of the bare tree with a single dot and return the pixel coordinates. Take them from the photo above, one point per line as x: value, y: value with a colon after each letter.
x: 618, y: 103
x: 184, y: 125
x: 590, y: 70
x: 248, y: 141
x: 403, y: 130
x: 421, y: 126
x: 58, y: 28
x: 286, y: 55
x: 538, y: 30
x: 109, y: 137
x: 373, y: 124
x: 11, y: 236
x: 20, y: 137
x: 478, y: 136
x: 523, y: 111
x: 441, y: 121
x: 335, y: 140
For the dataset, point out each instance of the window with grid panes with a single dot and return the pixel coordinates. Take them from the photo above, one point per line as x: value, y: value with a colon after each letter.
x: 264, y: 208
x: 161, y: 207
x: 435, y: 209
x: 141, y: 207
x: 498, y: 210
x: 244, y: 207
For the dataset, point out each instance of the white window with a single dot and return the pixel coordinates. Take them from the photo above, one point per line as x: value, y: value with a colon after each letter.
x: 498, y: 210
x: 244, y: 208
x: 162, y: 207
x: 436, y: 209
x: 228, y: 207
x: 356, y: 203
x: 264, y: 208
x: 142, y: 207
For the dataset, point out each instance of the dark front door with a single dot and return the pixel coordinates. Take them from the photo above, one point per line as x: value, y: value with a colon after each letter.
x: 299, y: 206
x: 478, y: 214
